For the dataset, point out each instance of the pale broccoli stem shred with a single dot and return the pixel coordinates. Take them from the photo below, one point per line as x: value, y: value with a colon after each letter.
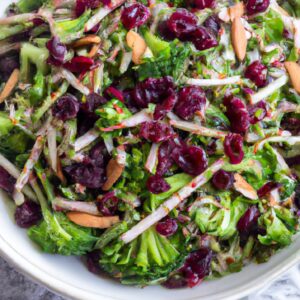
x: 31, y: 54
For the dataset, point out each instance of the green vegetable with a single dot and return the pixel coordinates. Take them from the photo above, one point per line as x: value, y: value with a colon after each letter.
x: 71, y: 30
x: 56, y: 234
x: 158, y: 47
x: 273, y: 26
x: 13, y: 141
x: 173, y: 66
x: 8, y: 31
x: 25, y: 6
x: 148, y: 259
x: 31, y: 54
x: 276, y: 230
x: 176, y: 182
x: 38, y: 90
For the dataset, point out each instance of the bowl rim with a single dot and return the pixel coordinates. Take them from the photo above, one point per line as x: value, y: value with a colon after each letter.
x: 38, y: 275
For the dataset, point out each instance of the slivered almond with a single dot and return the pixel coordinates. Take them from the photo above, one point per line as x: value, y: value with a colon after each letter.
x: 239, y: 38
x: 294, y: 72
x: 91, y: 221
x: 242, y: 186
x: 236, y: 11
x: 59, y: 172
x: 87, y: 40
x: 113, y: 172
x: 10, y: 85
x: 94, y: 50
x: 137, y: 44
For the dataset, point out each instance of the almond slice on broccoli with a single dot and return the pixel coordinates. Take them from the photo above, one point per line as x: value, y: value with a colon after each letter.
x: 239, y: 38
x: 86, y: 220
x: 87, y: 40
x: 137, y: 44
x: 10, y: 85
x: 242, y: 186
x: 114, y: 171
x: 294, y: 72
x: 236, y: 11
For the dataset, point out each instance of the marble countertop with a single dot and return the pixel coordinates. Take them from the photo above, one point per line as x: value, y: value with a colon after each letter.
x: 14, y: 286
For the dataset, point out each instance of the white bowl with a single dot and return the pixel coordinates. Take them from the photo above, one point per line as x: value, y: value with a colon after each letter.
x: 69, y: 277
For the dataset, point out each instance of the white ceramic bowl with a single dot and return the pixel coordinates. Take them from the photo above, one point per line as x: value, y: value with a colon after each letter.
x: 70, y: 278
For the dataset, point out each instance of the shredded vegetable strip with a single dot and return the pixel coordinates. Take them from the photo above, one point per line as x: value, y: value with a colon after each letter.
x: 86, y: 139
x: 164, y: 209
x: 197, y: 129
x: 34, y: 156
x: 213, y: 82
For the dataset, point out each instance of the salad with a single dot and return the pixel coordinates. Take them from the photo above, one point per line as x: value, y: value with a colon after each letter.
x: 157, y: 139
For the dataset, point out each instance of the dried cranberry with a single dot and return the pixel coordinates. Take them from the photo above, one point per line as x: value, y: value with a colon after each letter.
x: 248, y: 220
x: 82, y: 5
x: 28, y: 214
x: 292, y: 125
x: 108, y: 204
x: 297, y: 196
x: 203, y: 38
x: 213, y: 23
x: 223, y: 180
x: 267, y: 188
x: 166, y: 106
x: 87, y: 174
x: 165, y: 32
x: 153, y: 90
x: 93, y: 101
x: 237, y: 114
x: 182, y: 23
x: 167, y: 227
x: 91, y: 172
x: 115, y: 93
x: 165, y: 161
x: 176, y: 281
x: 92, y: 261
x: 257, y: 72
x: 256, y: 6
x: 191, y: 99
x: 257, y: 112
x: 7, y: 182
x: 57, y: 51
x: 8, y: 63
x: 293, y: 161
x: 157, y: 184
x: 66, y: 108
x: 135, y: 15
x: 197, y: 266
x: 191, y: 159
x: 79, y: 64
x: 233, y: 147
x: 202, y: 4
x: 156, y: 132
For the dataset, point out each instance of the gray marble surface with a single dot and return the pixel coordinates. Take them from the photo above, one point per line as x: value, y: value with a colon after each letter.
x: 14, y: 286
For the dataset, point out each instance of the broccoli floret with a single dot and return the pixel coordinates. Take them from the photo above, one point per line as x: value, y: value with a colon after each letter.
x: 148, y: 259
x: 56, y: 234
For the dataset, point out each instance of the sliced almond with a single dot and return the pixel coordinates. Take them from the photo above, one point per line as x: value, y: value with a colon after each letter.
x: 242, y: 186
x: 239, y: 38
x: 87, y: 40
x: 59, y: 172
x: 94, y: 50
x: 91, y: 221
x: 10, y: 85
x: 236, y: 11
x: 138, y: 46
x: 294, y: 72
x: 114, y: 171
